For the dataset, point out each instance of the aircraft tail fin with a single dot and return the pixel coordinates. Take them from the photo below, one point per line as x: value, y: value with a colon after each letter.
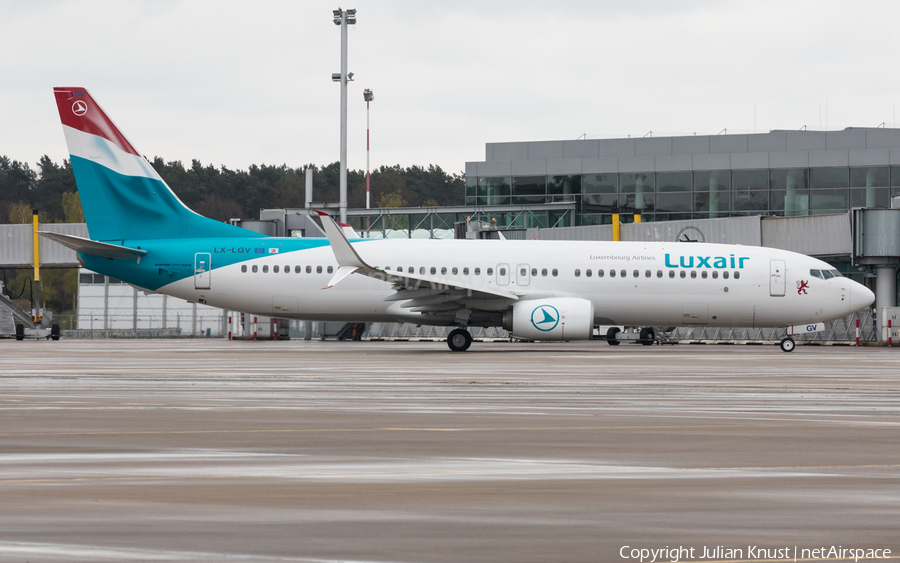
x: 122, y: 196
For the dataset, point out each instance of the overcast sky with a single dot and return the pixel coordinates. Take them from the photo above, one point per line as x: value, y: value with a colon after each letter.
x: 236, y: 83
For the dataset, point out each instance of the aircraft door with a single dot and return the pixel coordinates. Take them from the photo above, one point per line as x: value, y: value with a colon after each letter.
x: 202, y: 266
x: 523, y: 275
x: 777, y: 281
x: 502, y: 274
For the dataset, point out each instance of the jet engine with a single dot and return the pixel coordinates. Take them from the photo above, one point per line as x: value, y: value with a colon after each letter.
x: 557, y: 318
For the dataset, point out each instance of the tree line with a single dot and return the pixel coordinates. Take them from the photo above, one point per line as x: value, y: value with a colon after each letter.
x: 222, y: 193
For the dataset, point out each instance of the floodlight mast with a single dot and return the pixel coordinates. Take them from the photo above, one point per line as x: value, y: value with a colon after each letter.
x: 343, y: 18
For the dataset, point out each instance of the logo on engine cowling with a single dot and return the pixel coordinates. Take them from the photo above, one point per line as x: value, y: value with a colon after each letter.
x: 545, y: 318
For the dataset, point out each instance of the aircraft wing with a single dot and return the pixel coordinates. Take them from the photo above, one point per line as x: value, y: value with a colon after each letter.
x: 423, y: 293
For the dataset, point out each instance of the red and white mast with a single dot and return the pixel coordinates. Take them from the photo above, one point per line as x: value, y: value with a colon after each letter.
x: 368, y: 96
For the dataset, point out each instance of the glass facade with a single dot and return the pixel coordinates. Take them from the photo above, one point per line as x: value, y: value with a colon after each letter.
x: 666, y: 196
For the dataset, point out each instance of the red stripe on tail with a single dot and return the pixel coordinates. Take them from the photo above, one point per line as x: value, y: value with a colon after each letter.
x: 78, y: 110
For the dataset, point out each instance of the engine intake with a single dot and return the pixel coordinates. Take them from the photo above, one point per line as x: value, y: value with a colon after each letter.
x: 558, y: 318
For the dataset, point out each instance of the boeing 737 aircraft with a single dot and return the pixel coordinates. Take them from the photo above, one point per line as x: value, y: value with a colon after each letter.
x: 140, y: 232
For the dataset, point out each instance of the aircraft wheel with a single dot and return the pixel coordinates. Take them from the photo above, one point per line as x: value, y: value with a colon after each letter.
x: 648, y: 336
x: 788, y: 345
x: 20, y: 332
x: 611, y: 336
x: 459, y: 340
x: 54, y: 332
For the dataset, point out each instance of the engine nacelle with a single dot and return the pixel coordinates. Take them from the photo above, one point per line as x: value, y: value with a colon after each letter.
x: 557, y: 318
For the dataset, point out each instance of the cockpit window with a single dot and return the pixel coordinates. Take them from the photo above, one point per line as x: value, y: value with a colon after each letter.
x: 837, y: 274
x: 815, y: 274
x: 827, y: 275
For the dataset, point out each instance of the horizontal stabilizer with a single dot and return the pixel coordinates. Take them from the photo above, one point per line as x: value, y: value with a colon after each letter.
x: 93, y: 247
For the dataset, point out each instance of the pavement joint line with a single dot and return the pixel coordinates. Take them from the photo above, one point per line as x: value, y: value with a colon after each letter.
x: 337, y: 476
x: 413, y: 429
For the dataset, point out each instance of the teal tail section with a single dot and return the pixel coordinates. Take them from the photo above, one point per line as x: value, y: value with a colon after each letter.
x: 119, y: 207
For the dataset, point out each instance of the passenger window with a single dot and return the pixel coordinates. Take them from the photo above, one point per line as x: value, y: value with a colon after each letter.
x: 422, y: 270
x: 244, y: 269
x: 255, y: 269
x: 544, y: 271
x: 577, y: 273
x: 477, y: 271
x: 455, y: 271
x: 659, y: 273
x: 588, y: 272
x: 318, y: 269
x: 275, y: 269
x: 671, y: 273
x: 502, y: 271
x: 330, y: 269
x: 490, y: 271
x: 534, y: 272
x: 555, y: 272
x: 444, y: 270
x: 683, y: 274
x: 636, y: 273
x: 523, y: 272
x: 623, y: 273
x: 411, y: 270
x: 715, y: 275
x: 737, y: 275
x: 287, y: 269
x: 309, y: 269
x: 265, y: 269
x: 703, y: 274
x: 297, y: 269
x: 725, y: 275
x: 612, y: 273
x: 815, y: 274
x: 600, y: 273
x: 647, y: 274
x: 433, y: 270
x: 466, y: 271
x: 693, y: 274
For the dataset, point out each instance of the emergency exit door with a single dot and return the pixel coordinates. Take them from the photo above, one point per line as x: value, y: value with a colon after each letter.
x: 777, y: 279
x: 201, y: 270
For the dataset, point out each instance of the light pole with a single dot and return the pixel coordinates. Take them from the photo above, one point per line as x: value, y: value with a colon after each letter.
x: 343, y: 18
x: 368, y: 96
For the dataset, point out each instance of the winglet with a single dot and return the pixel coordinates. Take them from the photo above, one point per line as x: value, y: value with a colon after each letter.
x: 341, y: 273
x: 344, y: 253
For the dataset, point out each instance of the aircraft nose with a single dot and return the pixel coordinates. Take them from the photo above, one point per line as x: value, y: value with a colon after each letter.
x: 860, y: 296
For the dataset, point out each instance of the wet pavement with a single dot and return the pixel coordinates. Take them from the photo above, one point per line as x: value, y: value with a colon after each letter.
x: 207, y: 450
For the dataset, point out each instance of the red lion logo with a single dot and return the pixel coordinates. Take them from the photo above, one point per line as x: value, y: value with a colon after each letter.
x: 802, y: 286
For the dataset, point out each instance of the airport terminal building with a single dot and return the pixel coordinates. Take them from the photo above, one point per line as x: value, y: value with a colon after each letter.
x: 780, y: 173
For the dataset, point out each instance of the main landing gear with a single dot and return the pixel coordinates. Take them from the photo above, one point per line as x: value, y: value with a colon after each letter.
x: 787, y: 344
x: 459, y: 340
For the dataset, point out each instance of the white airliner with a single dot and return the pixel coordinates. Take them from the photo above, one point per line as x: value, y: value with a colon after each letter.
x: 140, y: 232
